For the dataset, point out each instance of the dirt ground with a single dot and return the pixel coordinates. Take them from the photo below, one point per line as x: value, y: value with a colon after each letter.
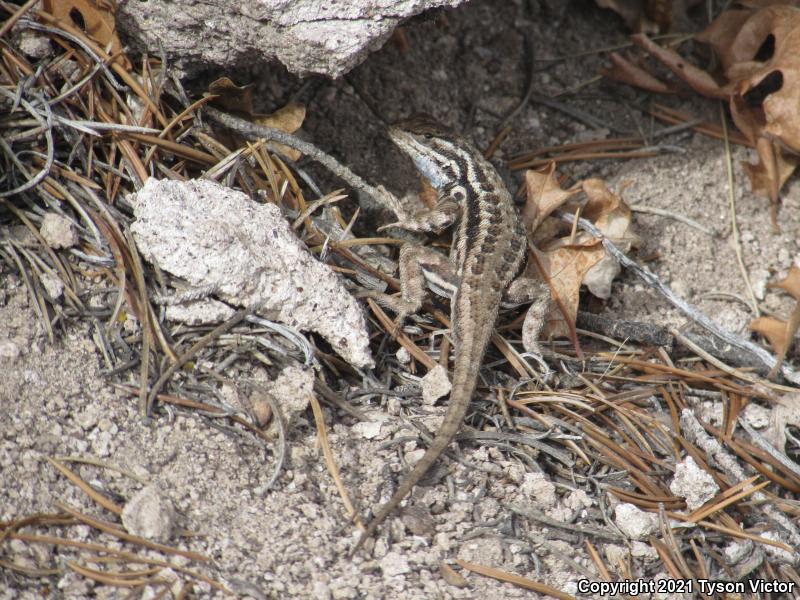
x: 293, y: 540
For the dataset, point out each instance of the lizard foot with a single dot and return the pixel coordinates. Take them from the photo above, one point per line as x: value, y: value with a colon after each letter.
x: 398, y: 305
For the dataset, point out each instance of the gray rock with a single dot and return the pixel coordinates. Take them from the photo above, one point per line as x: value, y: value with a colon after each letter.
x: 58, y: 231
x: 219, y: 241
x: 149, y: 514
x: 9, y: 351
x: 307, y: 36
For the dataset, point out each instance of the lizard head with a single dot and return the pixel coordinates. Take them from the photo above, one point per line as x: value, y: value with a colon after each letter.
x: 438, y: 153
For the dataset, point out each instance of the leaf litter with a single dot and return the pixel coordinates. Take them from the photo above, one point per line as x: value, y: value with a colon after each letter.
x: 596, y: 428
x: 757, y: 48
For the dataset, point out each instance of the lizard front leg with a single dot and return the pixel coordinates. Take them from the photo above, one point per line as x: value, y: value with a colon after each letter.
x: 420, y: 264
x: 419, y: 267
x: 435, y: 219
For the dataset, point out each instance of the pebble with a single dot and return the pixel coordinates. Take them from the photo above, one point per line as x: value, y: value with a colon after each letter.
x: 394, y: 564
x: 435, y: 384
x: 149, y: 514
x: 633, y: 522
x: 58, y: 232
x: 9, y: 351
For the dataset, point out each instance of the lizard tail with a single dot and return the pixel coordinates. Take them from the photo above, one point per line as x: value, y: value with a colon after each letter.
x: 469, y: 354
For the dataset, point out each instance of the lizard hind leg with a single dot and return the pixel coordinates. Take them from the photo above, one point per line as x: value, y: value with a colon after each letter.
x: 525, y: 289
x: 521, y: 291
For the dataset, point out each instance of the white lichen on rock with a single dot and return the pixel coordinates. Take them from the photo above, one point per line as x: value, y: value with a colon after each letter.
x: 216, y: 238
x: 435, y: 384
x: 149, y: 514
x: 694, y: 484
x: 634, y: 522
x: 58, y: 231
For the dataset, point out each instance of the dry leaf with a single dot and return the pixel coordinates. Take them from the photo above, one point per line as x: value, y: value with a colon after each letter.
x: 95, y: 18
x: 231, y: 97
x: 609, y: 213
x: 607, y: 210
x: 763, y: 62
x: 721, y: 34
x: 775, y: 331
x: 768, y: 175
x: 613, y: 217
x: 759, y: 50
x: 781, y: 333
x: 544, y: 196
x: 239, y: 99
x: 790, y: 283
x: 569, y: 261
x: 566, y: 267
x: 289, y: 118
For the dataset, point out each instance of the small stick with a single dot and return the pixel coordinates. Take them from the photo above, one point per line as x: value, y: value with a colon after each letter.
x: 737, y: 243
x: 687, y: 309
x: 696, y: 434
x: 672, y: 215
x: 696, y: 347
x: 11, y: 21
x: 254, y: 132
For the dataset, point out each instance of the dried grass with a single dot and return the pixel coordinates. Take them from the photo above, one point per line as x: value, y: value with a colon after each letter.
x: 74, y: 146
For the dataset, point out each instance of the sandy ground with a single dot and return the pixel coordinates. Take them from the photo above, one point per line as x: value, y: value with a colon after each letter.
x: 292, y: 541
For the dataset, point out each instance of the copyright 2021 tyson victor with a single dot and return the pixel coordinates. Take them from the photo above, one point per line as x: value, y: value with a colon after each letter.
x: 634, y: 587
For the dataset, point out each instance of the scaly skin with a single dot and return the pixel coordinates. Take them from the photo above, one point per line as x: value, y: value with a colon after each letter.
x: 488, y: 249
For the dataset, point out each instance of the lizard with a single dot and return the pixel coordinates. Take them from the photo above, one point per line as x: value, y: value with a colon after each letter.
x: 487, y: 253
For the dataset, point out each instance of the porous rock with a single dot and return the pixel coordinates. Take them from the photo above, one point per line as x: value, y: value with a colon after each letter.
x: 307, y: 36
x: 245, y: 254
x: 149, y: 514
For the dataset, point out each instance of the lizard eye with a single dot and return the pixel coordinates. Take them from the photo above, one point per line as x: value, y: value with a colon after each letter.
x: 428, y: 136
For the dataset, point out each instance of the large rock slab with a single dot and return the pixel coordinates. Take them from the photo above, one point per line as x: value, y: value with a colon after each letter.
x: 307, y: 36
